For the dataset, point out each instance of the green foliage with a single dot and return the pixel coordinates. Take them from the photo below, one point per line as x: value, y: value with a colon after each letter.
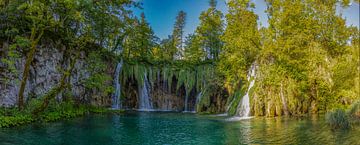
x: 338, y: 119
x: 209, y: 31
x: 10, y: 117
x: 13, y: 117
x: 241, y: 38
x: 306, y: 65
x: 139, y: 41
x: 9, y: 121
x: 178, y: 35
x: 193, y: 50
x: 234, y: 102
x: 97, y: 68
x: 354, y: 111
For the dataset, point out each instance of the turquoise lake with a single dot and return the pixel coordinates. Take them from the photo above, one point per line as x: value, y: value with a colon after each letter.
x: 165, y: 128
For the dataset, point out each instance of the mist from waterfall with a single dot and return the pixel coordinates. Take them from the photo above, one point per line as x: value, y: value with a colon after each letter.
x: 144, y: 96
x: 116, y: 100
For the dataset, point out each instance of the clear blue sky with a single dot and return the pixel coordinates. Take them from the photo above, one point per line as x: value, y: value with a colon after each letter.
x: 161, y: 13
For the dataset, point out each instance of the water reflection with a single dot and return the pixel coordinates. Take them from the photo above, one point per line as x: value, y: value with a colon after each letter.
x: 177, y: 128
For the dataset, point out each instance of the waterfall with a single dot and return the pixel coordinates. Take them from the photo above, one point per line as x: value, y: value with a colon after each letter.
x: 186, y: 102
x: 243, y: 109
x: 116, y: 101
x: 144, y: 98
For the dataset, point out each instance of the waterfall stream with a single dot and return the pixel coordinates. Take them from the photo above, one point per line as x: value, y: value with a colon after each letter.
x: 186, y: 102
x: 144, y: 97
x: 243, y: 109
x: 116, y: 101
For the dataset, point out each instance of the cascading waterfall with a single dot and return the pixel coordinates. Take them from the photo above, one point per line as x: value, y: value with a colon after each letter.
x: 144, y: 98
x: 243, y: 109
x: 116, y: 101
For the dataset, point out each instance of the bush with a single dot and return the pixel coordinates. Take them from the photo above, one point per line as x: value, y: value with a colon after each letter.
x: 56, y: 111
x: 64, y: 110
x: 338, y: 119
x: 102, y: 110
x: 9, y: 121
x: 354, y: 113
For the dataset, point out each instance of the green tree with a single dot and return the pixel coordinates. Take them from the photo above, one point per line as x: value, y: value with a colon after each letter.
x: 242, y: 43
x: 140, y: 41
x: 305, y: 40
x: 209, y: 31
x: 71, y: 24
x: 193, y: 49
x: 178, y: 34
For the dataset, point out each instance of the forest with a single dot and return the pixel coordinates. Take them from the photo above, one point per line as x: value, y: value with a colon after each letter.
x: 63, y: 59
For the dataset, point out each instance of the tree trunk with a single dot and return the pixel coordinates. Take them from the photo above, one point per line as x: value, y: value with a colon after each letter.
x: 26, y: 71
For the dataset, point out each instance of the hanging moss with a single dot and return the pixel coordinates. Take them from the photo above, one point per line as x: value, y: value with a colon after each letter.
x: 190, y: 79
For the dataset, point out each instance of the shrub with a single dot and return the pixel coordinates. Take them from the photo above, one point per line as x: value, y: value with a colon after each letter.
x: 64, y: 110
x: 56, y: 111
x: 354, y: 113
x: 9, y: 121
x: 338, y: 119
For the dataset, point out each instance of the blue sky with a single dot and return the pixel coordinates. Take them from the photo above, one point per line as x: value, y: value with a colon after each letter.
x: 161, y: 13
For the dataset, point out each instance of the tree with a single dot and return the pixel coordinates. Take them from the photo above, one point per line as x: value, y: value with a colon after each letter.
x: 61, y: 22
x: 140, y: 41
x: 303, y: 49
x: 193, y: 49
x: 209, y: 31
x: 168, y: 49
x: 241, y: 42
x: 39, y: 15
x: 178, y: 34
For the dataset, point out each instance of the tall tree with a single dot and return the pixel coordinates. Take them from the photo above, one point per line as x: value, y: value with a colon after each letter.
x: 210, y: 29
x: 141, y: 39
x: 193, y: 49
x: 168, y: 49
x: 178, y: 34
x: 41, y: 19
x: 241, y: 40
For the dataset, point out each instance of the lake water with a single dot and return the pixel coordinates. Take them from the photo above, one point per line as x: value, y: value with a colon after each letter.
x: 148, y: 128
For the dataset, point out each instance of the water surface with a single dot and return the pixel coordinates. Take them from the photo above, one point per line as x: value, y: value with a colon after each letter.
x: 135, y: 128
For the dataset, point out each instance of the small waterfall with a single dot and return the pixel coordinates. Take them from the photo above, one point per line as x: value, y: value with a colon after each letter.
x: 116, y: 101
x: 186, y: 102
x: 144, y: 98
x: 243, y: 109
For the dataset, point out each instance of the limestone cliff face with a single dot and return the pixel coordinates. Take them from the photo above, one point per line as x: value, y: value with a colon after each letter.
x: 45, y: 73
